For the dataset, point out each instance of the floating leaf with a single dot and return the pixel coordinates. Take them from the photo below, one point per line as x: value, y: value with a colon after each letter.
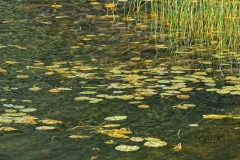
x: 217, y: 116
x: 28, y: 110
x: 126, y: 148
x: 49, y: 73
x: 7, y: 129
x: 110, y: 142
x: 182, y: 96
x: 25, y: 120
x: 235, y: 92
x: 135, y: 102
x: 184, y: 106
x: 136, y: 139
x: 50, y: 121
x: 8, y: 105
x: 186, y: 89
x: 223, y: 91
x: 2, y: 70
x: 125, y: 97
x: 88, y: 92
x: 143, y: 106
x: 155, y: 143
x: 177, y: 147
x: 54, y: 90
x: 64, y: 89
x: 11, y: 62
x: 193, y: 125
x: 10, y: 110
x: 14, y: 114
x: 115, y: 118
x: 45, y: 128
x: 3, y: 99
x: 26, y: 100
x: 110, y: 5
x: 81, y: 98
x: 110, y: 125
x: 35, y: 89
x: 4, y: 119
x: 95, y: 100
x: 79, y: 136
x: 56, y: 6
x: 117, y: 135
x: 22, y: 76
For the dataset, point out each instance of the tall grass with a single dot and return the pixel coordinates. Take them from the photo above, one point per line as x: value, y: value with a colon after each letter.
x: 208, y: 23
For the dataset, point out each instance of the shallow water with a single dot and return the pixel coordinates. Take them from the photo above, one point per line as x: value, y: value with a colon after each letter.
x: 79, y: 49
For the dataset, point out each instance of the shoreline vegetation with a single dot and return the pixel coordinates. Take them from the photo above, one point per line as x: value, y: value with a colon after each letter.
x: 190, y: 28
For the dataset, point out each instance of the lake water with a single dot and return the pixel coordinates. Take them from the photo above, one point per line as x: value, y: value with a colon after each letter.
x: 67, y: 68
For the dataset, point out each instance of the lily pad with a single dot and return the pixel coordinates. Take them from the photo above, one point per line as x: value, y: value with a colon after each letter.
x: 155, y: 143
x: 110, y: 125
x: 8, y: 105
x: 7, y: 129
x: 28, y: 110
x: 193, y: 125
x: 115, y: 118
x: 79, y: 136
x: 50, y: 121
x: 126, y: 148
x: 45, y: 128
x: 136, y: 139
x: 217, y: 116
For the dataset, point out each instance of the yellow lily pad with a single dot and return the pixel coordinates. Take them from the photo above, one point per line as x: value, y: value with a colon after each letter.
x: 35, y: 88
x: 143, y: 106
x: 28, y: 110
x: 54, y: 90
x: 110, y: 142
x: 56, y: 6
x: 10, y: 110
x: 22, y: 76
x: 136, y: 139
x: 81, y: 98
x: 79, y: 136
x: 183, y: 96
x: 186, y: 89
x: 11, y: 62
x: 50, y: 121
x: 7, y: 129
x: 110, y: 125
x: 45, y: 128
x: 110, y: 5
x: 2, y: 70
x: 117, y: 135
x: 217, y: 116
x: 115, y: 118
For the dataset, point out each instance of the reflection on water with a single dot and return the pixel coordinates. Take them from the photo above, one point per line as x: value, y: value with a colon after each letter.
x: 65, y: 70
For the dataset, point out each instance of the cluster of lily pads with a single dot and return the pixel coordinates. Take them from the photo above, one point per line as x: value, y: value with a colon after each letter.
x: 123, y: 133
x: 19, y: 114
x: 137, y: 83
x: 116, y: 133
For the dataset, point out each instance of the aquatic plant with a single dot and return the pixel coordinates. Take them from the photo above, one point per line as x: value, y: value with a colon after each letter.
x: 211, y: 24
x: 190, y: 28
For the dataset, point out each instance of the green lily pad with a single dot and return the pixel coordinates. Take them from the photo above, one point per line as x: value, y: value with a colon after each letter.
x: 126, y: 148
x: 155, y: 143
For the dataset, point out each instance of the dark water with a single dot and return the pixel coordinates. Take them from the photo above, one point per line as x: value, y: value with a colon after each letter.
x: 89, y: 52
